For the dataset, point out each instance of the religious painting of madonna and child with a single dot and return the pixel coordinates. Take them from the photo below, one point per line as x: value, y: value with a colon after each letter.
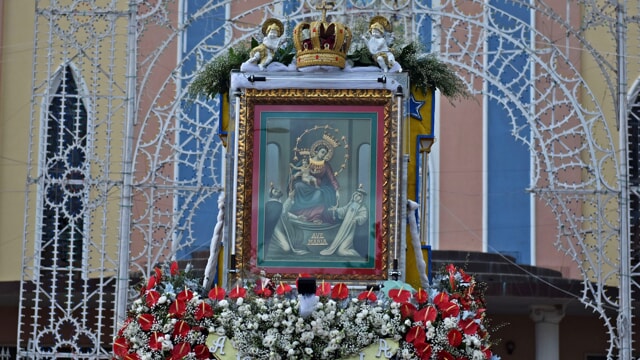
x: 319, y: 182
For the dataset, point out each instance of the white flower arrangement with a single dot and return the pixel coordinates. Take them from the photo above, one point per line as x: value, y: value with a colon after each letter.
x: 277, y: 330
x: 445, y: 322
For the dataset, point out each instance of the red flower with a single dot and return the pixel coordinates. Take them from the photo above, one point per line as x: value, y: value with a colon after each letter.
x: 367, y: 295
x: 455, y: 337
x: 178, y: 308
x: 180, y: 351
x: 155, y: 340
x: 173, y: 268
x: 449, y: 309
x: 452, y: 277
x: 283, y: 289
x: 444, y: 355
x: 465, y: 302
x: 201, y: 351
x: 440, y: 298
x: 302, y: 275
x: 486, y: 351
x: 124, y: 326
x: 152, y: 298
x: 263, y: 288
x: 340, y: 291
x: 120, y: 346
x: 415, y: 334
x: 399, y: 295
x: 407, y: 310
x: 151, y: 283
x: 324, y: 289
x: 468, y: 326
x: 265, y: 293
x: 158, y: 273
x: 421, y: 296
x: 472, y: 287
x: 238, y: 292
x: 146, y: 321
x: 181, y: 328
x: 423, y: 350
x: 465, y: 277
x: 217, y: 293
x: 185, y: 295
x: 427, y: 313
x: 132, y: 356
x: 203, y: 310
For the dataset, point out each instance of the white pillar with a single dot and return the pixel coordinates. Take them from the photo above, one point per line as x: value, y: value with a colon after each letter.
x: 547, y: 319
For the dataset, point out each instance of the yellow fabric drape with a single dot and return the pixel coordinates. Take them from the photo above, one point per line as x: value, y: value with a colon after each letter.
x: 420, y: 114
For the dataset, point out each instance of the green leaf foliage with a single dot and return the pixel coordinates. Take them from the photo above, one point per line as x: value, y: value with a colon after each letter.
x: 215, y: 77
x: 427, y: 72
x: 361, y: 57
x: 285, y: 54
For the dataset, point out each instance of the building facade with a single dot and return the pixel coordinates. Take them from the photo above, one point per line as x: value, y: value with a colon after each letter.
x: 482, y: 166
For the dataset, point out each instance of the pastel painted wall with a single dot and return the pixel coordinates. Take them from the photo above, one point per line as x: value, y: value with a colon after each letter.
x: 605, y: 43
x: 484, y: 171
x: 208, y: 210
x: 16, y: 44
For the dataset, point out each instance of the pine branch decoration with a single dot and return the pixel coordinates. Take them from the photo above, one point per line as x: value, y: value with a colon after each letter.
x: 427, y: 72
x: 215, y: 77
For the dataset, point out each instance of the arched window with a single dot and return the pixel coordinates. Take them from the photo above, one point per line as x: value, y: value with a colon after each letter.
x: 273, y: 162
x: 65, y: 169
x: 364, y: 167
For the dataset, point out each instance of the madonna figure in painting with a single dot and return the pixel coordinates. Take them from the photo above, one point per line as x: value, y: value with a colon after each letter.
x: 309, y: 204
x: 311, y: 200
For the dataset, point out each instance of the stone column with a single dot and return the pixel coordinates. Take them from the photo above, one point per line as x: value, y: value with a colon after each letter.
x: 547, y: 319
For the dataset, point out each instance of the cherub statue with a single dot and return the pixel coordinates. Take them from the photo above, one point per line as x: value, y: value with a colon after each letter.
x: 272, y: 29
x: 377, y: 44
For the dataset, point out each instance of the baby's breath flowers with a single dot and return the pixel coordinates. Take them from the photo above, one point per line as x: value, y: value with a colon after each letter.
x: 173, y: 318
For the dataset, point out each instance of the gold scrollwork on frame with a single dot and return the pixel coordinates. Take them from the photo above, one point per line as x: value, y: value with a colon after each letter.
x: 317, y: 182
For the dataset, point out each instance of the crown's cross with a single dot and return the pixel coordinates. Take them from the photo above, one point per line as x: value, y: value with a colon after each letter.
x: 324, y: 6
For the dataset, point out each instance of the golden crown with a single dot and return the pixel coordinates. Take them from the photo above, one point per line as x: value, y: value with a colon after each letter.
x: 330, y: 140
x: 320, y: 42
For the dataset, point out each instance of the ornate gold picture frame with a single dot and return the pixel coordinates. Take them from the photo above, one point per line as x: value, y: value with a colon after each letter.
x: 316, y: 188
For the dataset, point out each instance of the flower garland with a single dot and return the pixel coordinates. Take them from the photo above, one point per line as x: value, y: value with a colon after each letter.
x: 265, y: 320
